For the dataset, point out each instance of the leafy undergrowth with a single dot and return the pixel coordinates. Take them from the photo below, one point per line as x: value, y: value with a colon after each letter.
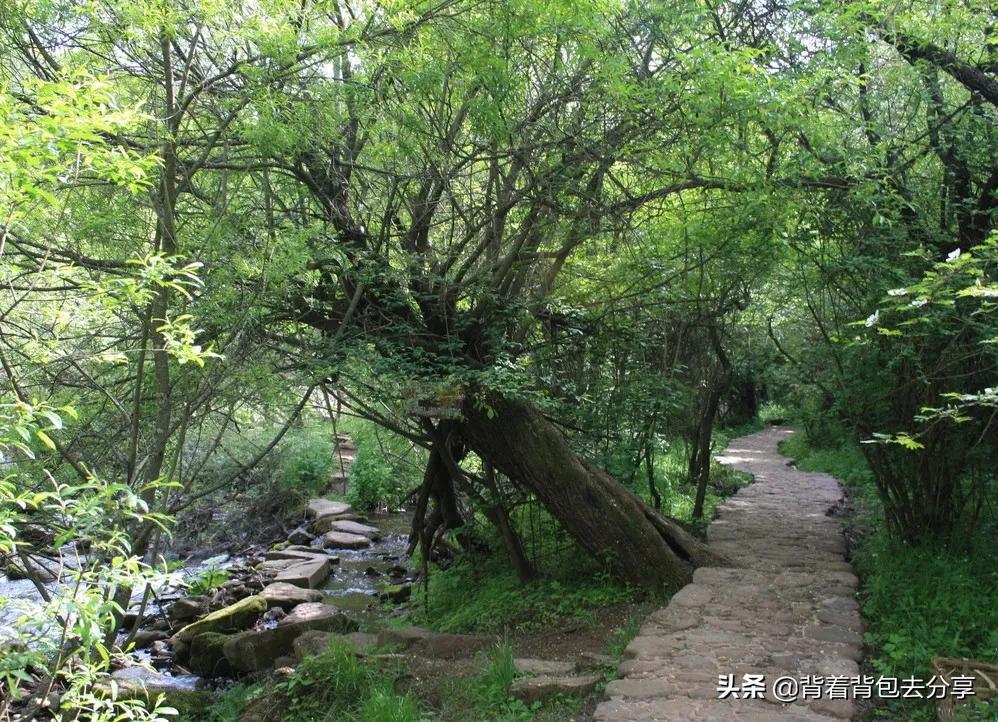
x: 918, y: 602
x: 489, y: 598
x: 572, y: 606
x: 335, y: 686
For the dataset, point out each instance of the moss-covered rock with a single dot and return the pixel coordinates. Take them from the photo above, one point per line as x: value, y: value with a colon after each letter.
x: 233, y: 618
x: 395, y: 592
x: 257, y: 651
x: 207, y: 657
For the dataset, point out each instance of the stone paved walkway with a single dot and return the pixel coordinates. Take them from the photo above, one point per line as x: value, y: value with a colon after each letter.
x: 788, y: 607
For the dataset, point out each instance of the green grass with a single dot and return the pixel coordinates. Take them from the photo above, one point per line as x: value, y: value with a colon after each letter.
x: 488, y: 597
x: 919, y: 602
x: 335, y: 686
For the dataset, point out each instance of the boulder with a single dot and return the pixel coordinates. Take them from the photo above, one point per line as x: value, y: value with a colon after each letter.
x: 534, y: 689
x: 182, y: 692
x: 207, y: 657
x: 38, y: 568
x: 286, y: 596
x: 354, y: 527
x: 233, y: 618
x: 395, y: 592
x: 324, y: 507
x: 307, y: 574
x: 432, y: 644
x: 145, y: 637
x: 188, y: 608
x: 309, y: 612
x: 257, y: 651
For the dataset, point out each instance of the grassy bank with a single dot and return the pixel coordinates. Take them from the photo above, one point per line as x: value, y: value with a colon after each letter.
x: 919, y: 602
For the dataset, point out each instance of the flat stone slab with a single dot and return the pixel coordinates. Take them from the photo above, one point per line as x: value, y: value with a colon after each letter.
x: 307, y: 574
x: 537, y: 667
x: 287, y: 596
x: 326, y: 507
x: 432, y: 644
x: 296, y: 555
x: 343, y: 540
x: 535, y: 689
x: 354, y: 527
x: 788, y: 609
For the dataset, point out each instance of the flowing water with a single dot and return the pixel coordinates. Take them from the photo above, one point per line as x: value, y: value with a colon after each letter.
x: 354, y: 583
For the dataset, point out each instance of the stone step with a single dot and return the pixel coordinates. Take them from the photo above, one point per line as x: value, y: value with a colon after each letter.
x: 287, y: 596
x: 307, y: 574
x: 537, y: 667
x: 416, y: 640
x: 354, y: 527
x: 343, y: 540
x: 786, y: 609
x: 317, y: 508
x: 534, y: 689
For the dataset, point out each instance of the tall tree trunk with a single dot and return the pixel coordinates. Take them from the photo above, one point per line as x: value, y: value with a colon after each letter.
x: 705, y: 430
x: 497, y: 514
x: 607, y: 520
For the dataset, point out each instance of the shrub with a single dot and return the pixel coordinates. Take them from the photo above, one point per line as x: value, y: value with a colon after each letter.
x: 306, y: 461
x: 370, y: 479
x: 772, y: 413
x: 919, y: 601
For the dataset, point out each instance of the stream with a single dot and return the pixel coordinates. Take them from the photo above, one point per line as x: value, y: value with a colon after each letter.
x: 353, y: 585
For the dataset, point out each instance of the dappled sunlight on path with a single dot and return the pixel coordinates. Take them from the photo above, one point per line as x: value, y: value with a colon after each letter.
x: 786, y: 609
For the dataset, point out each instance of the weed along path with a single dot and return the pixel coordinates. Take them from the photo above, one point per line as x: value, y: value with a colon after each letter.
x: 777, y: 637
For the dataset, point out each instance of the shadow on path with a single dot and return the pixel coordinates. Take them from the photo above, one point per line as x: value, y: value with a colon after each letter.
x: 786, y: 610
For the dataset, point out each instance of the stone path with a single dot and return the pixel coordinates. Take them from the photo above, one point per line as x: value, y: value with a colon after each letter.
x: 786, y: 609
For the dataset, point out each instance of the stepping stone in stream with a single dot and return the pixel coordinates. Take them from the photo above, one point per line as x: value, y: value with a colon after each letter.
x: 307, y: 574
x: 297, y: 555
x: 317, y: 508
x: 342, y: 540
x: 286, y: 596
x: 325, y: 523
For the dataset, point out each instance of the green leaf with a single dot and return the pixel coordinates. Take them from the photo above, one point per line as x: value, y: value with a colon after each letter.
x: 45, y: 439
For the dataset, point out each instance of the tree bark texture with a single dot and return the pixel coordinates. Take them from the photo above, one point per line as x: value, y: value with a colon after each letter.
x: 607, y: 520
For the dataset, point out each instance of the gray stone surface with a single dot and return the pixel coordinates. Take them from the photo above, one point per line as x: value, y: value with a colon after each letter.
x: 287, y: 596
x: 317, y: 508
x: 534, y: 689
x: 342, y: 540
x: 787, y: 609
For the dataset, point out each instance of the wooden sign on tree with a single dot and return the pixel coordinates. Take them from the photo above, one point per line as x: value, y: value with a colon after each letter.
x: 434, y: 402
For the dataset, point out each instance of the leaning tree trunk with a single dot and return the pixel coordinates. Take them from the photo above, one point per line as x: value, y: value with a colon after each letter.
x: 605, y: 518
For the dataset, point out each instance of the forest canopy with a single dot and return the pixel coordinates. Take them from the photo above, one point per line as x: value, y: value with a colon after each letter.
x: 605, y: 226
